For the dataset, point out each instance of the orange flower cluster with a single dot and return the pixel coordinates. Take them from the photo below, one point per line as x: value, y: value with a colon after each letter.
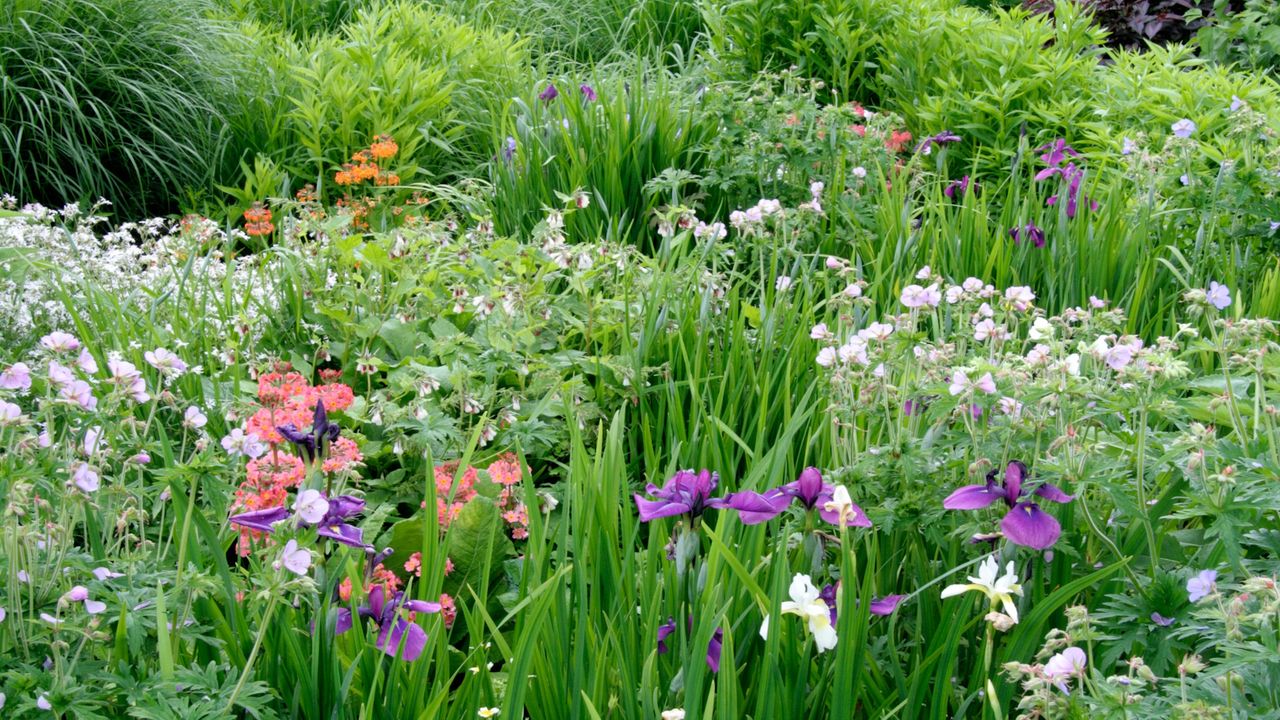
x: 413, y: 565
x: 506, y: 471
x: 463, y: 491
x: 383, y: 147
x: 286, y: 397
x: 364, y: 164
x: 257, y: 220
x: 898, y: 140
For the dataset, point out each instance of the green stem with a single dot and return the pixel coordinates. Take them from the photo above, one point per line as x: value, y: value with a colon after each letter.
x: 253, y: 654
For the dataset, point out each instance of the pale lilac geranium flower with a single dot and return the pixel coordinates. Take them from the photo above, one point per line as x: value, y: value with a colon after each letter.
x: 16, y: 377
x: 238, y: 442
x: 311, y: 506
x: 10, y: 414
x: 1065, y: 665
x: 80, y: 594
x: 194, y: 418
x: 85, y: 477
x: 164, y: 360
x: 60, y: 342
x: 79, y: 393
x: 296, y: 560
x: 103, y: 574
x: 1218, y: 295
x: 86, y: 362
x: 915, y: 296
x: 1183, y: 128
x: 783, y: 283
x: 1204, y: 584
x: 1025, y: 523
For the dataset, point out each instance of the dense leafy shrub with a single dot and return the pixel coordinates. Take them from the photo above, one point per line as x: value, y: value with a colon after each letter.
x: 302, y: 18
x: 110, y: 98
x: 591, y: 31
x: 397, y: 68
x: 1131, y: 24
x: 1249, y: 37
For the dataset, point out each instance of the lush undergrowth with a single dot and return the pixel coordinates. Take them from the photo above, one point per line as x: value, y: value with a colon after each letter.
x: 635, y: 360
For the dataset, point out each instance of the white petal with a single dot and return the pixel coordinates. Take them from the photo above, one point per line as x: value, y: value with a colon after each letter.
x: 764, y: 628
x: 824, y: 636
x: 953, y: 590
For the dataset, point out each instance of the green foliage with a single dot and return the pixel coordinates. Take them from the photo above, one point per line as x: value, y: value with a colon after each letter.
x: 109, y: 98
x: 592, y: 31
x: 644, y: 122
x: 301, y: 18
x: 1249, y: 37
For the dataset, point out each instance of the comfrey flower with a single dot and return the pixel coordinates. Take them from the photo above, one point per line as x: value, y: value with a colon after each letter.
x: 810, y: 490
x: 312, y: 445
x: 714, y: 646
x: 686, y: 493
x: 807, y: 603
x: 1065, y: 665
x: 1204, y: 584
x: 398, y: 636
x: 999, y: 589
x: 1025, y: 523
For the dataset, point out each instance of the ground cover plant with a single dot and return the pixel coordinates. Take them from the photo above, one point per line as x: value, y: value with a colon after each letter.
x: 661, y: 360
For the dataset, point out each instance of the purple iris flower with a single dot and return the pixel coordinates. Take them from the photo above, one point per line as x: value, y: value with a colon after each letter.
x: 942, y: 138
x: 1057, y: 151
x: 957, y: 188
x: 713, y: 647
x: 1025, y: 524
x: 879, y: 606
x: 260, y: 520
x: 913, y: 407
x: 809, y: 489
x: 509, y: 149
x: 686, y: 493
x: 588, y: 92
x: 549, y: 94
x: 312, y: 444
x: 397, y: 635
x: 1073, y: 176
x: 333, y: 525
x: 1028, y: 232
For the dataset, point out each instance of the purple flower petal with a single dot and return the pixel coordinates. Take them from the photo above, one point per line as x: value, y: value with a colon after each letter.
x: 422, y: 606
x: 754, y: 508
x: 402, y: 639
x: 857, y: 518
x: 343, y: 533
x: 654, y: 509
x: 1027, y: 525
x: 886, y: 605
x: 1053, y: 493
x: 1161, y: 620
x: 713, y: 650
x: 344, y: 622
x: 261, y: 520
x: 807, y: 487
x: 972, y: 497
x: 1014, y: 474
x: 665, y: 630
